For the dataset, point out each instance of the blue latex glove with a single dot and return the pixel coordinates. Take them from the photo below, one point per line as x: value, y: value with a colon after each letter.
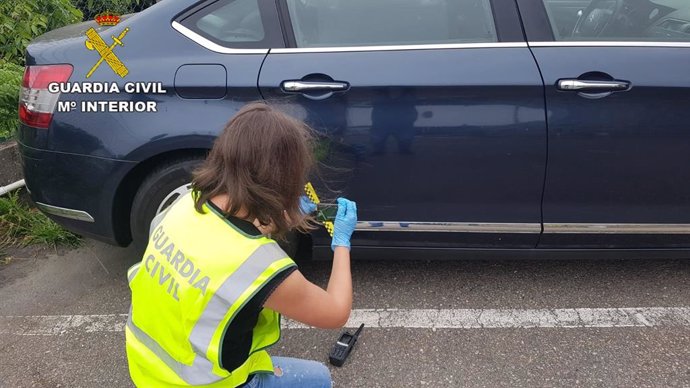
x: 344, y: 224
x: 306, y: 205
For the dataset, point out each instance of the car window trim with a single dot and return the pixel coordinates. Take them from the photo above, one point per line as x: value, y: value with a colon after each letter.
x: 610, y: 43
x: 213, y: 46
x: 507, y: 26
x: 202, y: 41
x: 448, y: 46
x: 507, y: 21
x: 270, y: 20
x: 286, y: 24
x: 535, y: 20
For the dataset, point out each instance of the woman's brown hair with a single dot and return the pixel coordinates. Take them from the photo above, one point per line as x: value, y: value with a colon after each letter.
x: 261, y: 160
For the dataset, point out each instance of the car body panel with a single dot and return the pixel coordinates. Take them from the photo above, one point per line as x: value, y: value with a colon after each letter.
x: 86, y: 184
x: 617, y: 161
x: 464, y: 141
x: 459, y: 147
x: 612, y: 161
x: 474, y: 116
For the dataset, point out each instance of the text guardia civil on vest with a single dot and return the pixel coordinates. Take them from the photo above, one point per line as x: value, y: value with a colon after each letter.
x: 176, y: 258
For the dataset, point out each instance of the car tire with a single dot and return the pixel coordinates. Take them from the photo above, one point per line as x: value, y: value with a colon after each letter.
x: 164, y: 184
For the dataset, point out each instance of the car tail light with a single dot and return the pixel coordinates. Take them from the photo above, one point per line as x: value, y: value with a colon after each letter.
x: 36, y: 103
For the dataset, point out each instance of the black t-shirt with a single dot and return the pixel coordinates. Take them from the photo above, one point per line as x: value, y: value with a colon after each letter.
x: 238, y: 335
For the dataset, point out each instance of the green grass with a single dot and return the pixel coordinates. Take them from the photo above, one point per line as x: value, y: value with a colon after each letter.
x: 22, y: 225
x: 10, y: 82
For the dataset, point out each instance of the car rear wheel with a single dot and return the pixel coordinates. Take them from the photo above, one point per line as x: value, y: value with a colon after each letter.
x: 158, y: 191
x: 161, y: 188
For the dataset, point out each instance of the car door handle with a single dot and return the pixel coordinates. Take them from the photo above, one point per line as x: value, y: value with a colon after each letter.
x: 595, y: 86
x: 313, y: 86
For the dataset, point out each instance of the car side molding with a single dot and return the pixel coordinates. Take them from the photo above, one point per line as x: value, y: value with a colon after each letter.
x: 497, y: 227
x: 451, y: 227
x: 617, y: 228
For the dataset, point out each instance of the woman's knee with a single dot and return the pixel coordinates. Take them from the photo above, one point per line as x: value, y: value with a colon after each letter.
x: 310, y: 373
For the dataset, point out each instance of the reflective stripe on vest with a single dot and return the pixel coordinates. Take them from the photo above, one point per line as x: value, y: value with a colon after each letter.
x: 198, y: 272
x: 233, y: 287
x: 132, y: 272
x: 199, y: 373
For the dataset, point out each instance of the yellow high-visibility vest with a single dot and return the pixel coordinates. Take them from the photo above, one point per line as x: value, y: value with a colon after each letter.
x: 198, y: 271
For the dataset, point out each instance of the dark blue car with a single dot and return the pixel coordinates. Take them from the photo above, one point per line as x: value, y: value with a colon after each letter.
x: 480, y: 126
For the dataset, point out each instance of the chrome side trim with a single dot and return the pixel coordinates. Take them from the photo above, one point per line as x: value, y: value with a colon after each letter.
x: 398, y: 47
x: 608, y: 44
x: 200, y: 40
x: 488, y: 227
x: 65, y: 212
x: 451, y: 227
x: 617, y: 228
x: 227, y: 50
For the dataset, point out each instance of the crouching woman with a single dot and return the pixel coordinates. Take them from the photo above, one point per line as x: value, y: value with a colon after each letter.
x: 208, y: 293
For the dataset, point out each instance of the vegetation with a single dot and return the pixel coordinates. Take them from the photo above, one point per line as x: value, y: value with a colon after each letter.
x: 10, y: 81
x: 20, y: 22
x: 91, y: 8
x: 22, y: 225
x: 23, y: 20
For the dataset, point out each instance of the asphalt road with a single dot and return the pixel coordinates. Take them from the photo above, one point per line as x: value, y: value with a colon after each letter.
x: 90, y: 281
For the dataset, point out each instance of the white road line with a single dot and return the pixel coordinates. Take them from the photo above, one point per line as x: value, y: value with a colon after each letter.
x: 62, y: 324
x: 50, y: 325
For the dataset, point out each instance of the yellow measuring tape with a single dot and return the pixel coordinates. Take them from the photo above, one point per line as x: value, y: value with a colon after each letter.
x: 311, y: 194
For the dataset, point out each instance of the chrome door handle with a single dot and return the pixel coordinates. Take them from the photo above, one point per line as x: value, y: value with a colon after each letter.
x: 596, y: 86
x: 312, y: 86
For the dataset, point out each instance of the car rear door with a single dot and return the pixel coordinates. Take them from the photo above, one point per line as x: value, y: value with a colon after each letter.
x: 617, y: 92
x: 431, y: 112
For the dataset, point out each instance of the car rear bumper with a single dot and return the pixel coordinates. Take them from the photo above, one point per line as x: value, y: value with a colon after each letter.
x: 76, y: 191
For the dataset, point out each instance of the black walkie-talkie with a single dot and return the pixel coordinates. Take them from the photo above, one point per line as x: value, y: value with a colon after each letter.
x: 343, y: 347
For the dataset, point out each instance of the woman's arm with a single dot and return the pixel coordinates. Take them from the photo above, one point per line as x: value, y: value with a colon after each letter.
x: 301, y: 300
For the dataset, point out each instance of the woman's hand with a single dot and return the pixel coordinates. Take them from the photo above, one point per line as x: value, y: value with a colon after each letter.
x: 306, y: 205
x: 345, y: 223
x: 299, y: 299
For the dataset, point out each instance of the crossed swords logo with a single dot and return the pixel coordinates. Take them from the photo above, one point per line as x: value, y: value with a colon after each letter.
x: 95, y: 42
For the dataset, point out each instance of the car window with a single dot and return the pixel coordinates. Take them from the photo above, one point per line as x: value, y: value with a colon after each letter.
x: 337, y: 23
x: 229, y: 21
x: 620, y: 20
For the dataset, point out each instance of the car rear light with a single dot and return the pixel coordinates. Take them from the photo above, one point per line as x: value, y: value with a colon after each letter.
x: 36, y: 103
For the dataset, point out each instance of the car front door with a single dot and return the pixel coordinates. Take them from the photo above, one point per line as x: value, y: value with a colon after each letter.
x: 617, y: 92
x: 431, y: 114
